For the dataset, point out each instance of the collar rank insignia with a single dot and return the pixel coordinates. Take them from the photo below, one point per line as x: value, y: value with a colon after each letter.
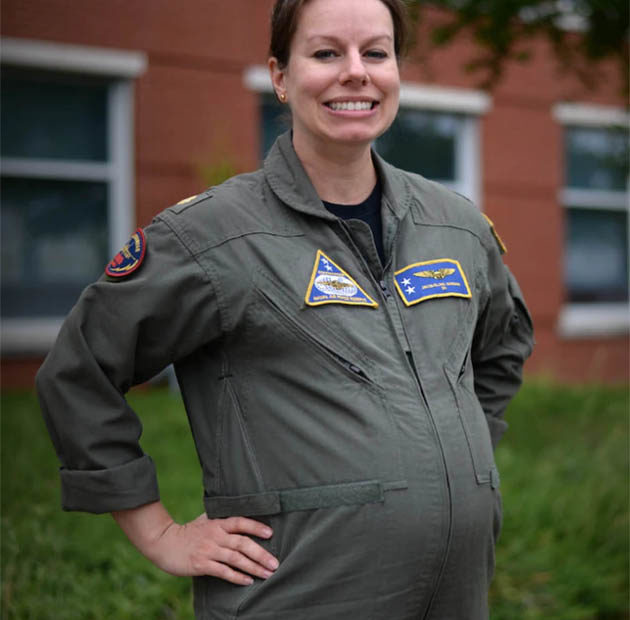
x: 330, y: 284
x: 431, y: 279
x: 129, y: 258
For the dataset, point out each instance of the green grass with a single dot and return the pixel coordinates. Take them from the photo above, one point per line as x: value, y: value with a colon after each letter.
x: 78, y: 566
x: 563, y: 554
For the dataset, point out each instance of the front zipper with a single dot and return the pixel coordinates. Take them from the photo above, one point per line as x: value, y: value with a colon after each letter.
x: 449, y: 533
x: 350, y: 367
x: 388, y: 298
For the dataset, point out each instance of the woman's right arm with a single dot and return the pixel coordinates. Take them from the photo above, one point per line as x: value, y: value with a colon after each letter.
x: 216, y: 547
x: 121, y: 332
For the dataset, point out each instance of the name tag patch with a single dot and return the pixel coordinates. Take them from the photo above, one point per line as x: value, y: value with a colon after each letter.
x: 330, y: 284
x: 430, y: 279
x: 129, y: 258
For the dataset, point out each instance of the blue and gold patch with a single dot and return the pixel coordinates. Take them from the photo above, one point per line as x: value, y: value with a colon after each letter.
x: 330, y: 284
x: 130, y: 257
x: 431, y: 279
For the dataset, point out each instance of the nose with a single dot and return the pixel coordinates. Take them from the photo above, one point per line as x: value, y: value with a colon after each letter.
x: 354, y: 70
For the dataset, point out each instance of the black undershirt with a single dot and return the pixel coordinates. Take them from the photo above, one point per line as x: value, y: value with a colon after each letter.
x: 368, y: 211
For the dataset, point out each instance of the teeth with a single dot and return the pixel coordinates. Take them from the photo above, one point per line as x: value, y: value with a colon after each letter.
x: 351, y: 106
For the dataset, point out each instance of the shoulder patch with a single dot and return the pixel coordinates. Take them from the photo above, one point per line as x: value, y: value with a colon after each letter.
x: 431, y: 279
x: 495, y: 234
x: 330, y: 284
x: 130, y: 257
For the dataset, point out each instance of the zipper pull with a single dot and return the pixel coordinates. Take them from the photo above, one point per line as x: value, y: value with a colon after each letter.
x: 353, y: 368
x: 385, y: 290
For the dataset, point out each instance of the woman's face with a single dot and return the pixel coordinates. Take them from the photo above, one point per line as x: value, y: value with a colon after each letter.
x: 342, y: 80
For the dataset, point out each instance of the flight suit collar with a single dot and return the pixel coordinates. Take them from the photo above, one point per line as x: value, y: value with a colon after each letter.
x: 290, y: 183
x: 288, y: 179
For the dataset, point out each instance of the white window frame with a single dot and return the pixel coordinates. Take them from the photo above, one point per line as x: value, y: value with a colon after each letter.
x: 471, y: 104
x: 593, y: 320
x: 35, y: 336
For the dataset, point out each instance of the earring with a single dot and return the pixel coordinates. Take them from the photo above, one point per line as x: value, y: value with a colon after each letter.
x: 282, y: 97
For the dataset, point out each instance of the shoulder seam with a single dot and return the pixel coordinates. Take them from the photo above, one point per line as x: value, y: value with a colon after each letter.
x: 208, y: 274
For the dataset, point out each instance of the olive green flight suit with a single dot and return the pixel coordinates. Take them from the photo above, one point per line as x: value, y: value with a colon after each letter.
x: 353, y: 416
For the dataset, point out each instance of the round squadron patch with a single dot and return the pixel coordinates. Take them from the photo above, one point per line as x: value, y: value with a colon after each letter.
x: 130, y: 257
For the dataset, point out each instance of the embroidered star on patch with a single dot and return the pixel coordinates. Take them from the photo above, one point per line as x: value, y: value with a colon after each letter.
x: 431, y: 279
x: 330, y: 284
x: 129, y: 258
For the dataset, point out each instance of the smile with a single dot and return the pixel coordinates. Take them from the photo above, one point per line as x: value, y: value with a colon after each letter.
x: 351, y: 106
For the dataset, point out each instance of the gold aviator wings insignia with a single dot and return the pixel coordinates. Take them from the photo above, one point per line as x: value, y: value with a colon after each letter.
x: 336, y: 284
x: 436, y: 274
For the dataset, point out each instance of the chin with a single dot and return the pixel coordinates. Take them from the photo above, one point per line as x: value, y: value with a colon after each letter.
x: 354, y: 136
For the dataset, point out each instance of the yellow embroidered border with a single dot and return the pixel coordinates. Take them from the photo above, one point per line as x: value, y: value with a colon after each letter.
x: 318, y: 257
x: 467, y: 295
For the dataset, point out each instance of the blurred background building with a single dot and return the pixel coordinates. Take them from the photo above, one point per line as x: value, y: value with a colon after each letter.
x: 112, y: 111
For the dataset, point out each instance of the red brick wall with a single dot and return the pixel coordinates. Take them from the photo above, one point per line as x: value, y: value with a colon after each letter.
x: 192, y: 108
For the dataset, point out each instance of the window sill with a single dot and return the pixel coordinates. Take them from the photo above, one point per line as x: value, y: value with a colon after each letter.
x: 594, y: 320
x: 22, y: 337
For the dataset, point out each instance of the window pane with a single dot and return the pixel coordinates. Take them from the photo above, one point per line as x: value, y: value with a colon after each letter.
x: 423, y: 142
x: 42, y: 117
x: 597, y: 255
x: 597, y: 158
x: 276, y: 119
x: 54, y: 243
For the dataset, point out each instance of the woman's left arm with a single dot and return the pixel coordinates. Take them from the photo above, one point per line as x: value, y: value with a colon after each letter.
x: 504, y: 339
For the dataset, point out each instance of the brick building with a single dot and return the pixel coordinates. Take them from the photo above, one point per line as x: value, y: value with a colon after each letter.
x: 113, y: 110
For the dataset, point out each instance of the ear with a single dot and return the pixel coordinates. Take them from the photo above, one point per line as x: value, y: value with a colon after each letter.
x: 277, y: 76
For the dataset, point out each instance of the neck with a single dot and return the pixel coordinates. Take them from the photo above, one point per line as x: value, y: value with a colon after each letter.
x: 340, y: 174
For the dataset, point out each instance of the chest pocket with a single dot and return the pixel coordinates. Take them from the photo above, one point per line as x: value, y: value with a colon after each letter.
x: 440, y: 333
x: 320, y: 390
x: 439, y: 329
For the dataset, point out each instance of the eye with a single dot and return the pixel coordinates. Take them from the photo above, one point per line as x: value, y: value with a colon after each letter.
x: 377, y: 54
x: 324, y: 54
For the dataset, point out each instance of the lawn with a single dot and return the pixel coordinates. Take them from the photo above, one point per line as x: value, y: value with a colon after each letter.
x: 563, y: 554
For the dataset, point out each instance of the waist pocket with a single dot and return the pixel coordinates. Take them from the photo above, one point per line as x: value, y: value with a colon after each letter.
x: 269, y: 503
x: 474, y: 424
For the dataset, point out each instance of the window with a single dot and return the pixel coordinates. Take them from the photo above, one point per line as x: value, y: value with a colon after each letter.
x: 435, y: 133
x: 433, y: 144
x: 54, y: 219
x: 595, y: 197
x: 67, y: 191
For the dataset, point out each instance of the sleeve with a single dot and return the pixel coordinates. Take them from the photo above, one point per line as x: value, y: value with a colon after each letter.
x: 120, y: 333
x: 503, y: 340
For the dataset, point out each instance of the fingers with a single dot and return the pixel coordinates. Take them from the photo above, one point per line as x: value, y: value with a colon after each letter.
x: 237, y: 560
x: 234, y: 556
x: 220, y: 548
x: 243, y: 525
x: 223, y: 571
x: 252, y: 551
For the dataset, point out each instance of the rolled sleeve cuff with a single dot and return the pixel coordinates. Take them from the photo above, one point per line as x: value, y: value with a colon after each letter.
x: 118, y: 488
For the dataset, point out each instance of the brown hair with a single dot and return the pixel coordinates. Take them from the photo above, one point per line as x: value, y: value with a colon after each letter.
x: 286, y: 13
